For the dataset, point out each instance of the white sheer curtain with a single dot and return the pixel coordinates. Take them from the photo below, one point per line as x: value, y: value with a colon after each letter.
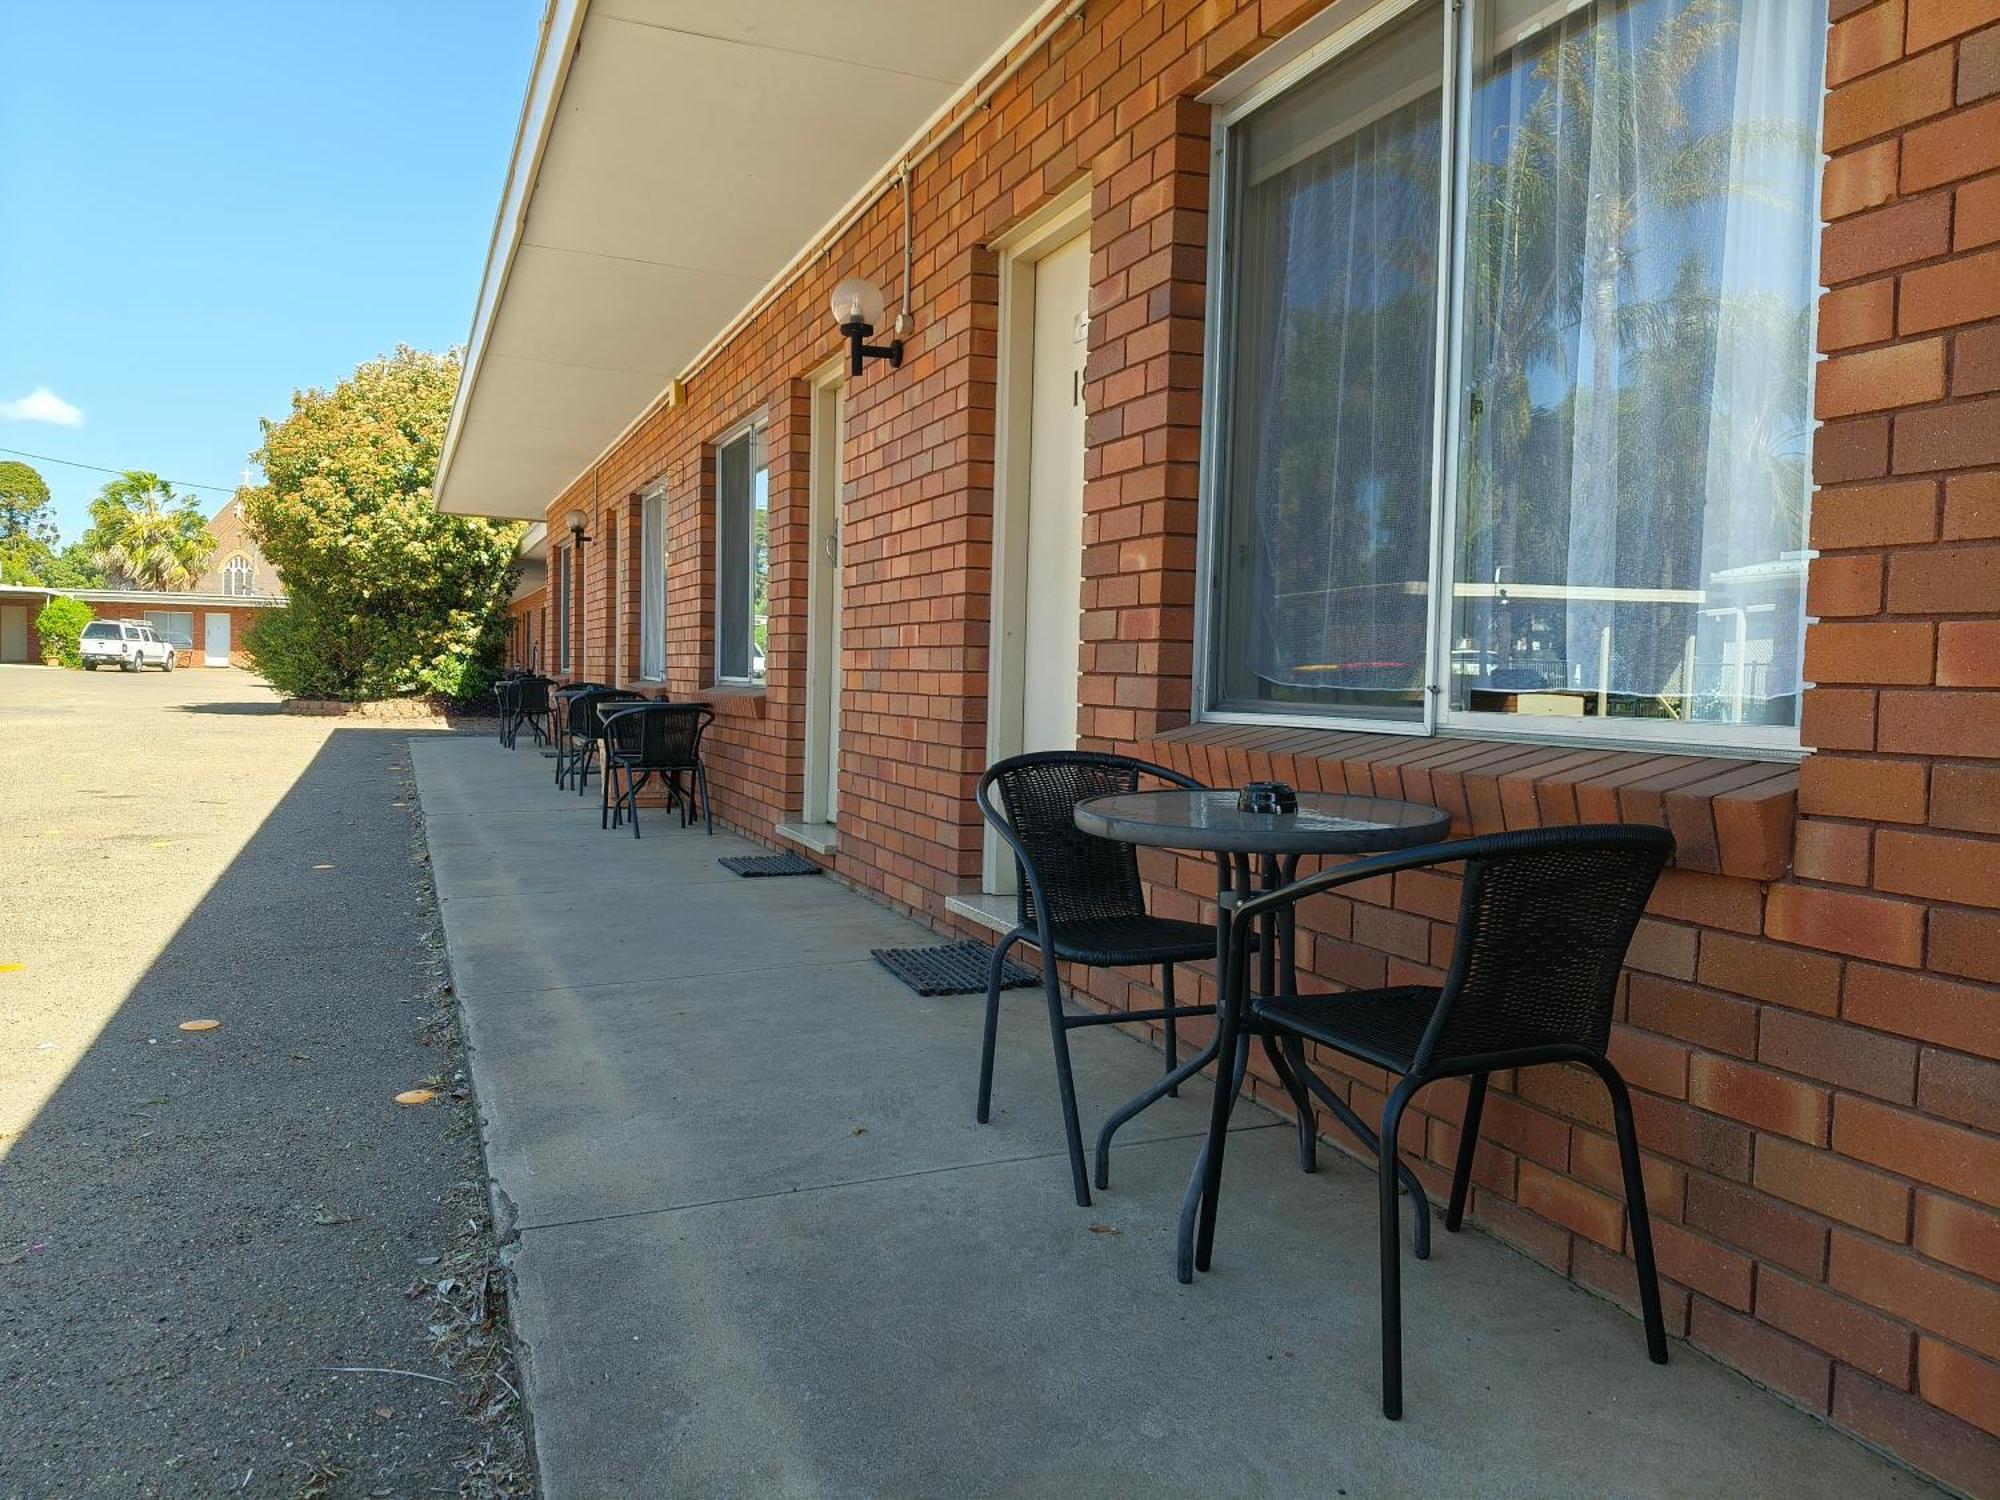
x: 1638, y: 293
x: 1326, y: 555
x: 653, y: 587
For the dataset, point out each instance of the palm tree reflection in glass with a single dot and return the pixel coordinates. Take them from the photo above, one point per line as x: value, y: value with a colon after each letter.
x: 1637, y: 293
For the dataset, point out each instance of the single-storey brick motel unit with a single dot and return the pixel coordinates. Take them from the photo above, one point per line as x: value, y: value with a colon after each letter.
x: 207, y: 623
x: 1552, y: 413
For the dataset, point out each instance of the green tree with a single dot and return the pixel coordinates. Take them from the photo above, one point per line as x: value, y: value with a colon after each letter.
x: 72, y: 568
x: 60, y: 627
x: 145, y: 536
x: 24, y: 503
x: 388, y: 596
x: 27, y: 524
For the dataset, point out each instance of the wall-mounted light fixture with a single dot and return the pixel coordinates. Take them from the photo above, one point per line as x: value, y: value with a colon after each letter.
x: 857, y: 309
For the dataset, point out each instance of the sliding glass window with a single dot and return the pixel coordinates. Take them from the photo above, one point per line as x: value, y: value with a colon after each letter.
x: 1323, y: 546
x: 742, y: 569
x: 653, y: 587
x: 1620, y: 527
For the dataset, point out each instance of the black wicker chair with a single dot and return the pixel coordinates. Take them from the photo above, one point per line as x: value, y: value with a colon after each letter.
x: 576, y: 748
x: 506, y: 690
x: 558, y: 695
x: 526, y: 702
x: 1544, y: 920
x: 1081, y: 902
x: 645, y: 740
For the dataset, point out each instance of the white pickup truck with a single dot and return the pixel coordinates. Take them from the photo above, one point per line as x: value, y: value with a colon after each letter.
x: 129, y: 645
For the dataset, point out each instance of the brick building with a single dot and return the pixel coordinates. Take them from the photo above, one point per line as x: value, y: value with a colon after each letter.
x: 205, y: 629
x: 1505, y: 407
x: 237, y: 568
x: 206, y: 622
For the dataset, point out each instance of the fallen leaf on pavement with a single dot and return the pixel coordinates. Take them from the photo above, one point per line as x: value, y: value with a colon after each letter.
x: 416, y: 1096
x: 1104, y: 1229
x: 203, y: 1025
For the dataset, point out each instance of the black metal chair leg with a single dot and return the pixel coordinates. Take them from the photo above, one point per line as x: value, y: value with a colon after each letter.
x: 1420, y: 1230
x: 991, y: 1035
x: 604, y: 796
x: 1281, y: 1064
x: 1172, y: 1024
x: 1636, y: 1213
x: 1065, y: 1080
x: 1468, y: 1147
x: 1391, y: 1248
x: 707, y: 812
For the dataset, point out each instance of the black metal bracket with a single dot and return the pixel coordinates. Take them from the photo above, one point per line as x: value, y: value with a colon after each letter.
x: 860, y: 351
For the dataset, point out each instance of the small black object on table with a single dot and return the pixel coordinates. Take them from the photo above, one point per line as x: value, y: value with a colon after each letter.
x: 1263, y: 851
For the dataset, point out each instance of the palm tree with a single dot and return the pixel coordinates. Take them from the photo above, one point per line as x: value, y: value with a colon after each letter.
x: 145, y: 536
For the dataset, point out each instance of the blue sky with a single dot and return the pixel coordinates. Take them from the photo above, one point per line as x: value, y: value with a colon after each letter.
x: 206, y: 205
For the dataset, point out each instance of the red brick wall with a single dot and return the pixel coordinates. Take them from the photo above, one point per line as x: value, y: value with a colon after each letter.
x: 32, y: 605
x: 231, y: 530
x: 1810, y: 1022
x: 241, y: 618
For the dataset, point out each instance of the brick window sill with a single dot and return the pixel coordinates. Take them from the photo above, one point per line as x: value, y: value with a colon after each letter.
x: 736, y: 700
x: 1728, y: 816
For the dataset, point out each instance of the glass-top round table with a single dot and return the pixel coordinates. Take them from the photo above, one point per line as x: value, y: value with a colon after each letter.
x: 1258, y: 851
x: 1325, y: 823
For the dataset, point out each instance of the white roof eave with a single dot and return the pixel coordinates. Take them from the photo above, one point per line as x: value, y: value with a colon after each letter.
x: 674, y: 158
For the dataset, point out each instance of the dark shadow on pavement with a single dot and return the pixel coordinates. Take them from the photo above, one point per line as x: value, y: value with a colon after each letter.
x: 270, y: 707
x: 196, y: 1225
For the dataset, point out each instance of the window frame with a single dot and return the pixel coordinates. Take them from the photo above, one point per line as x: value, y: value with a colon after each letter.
x: 249, y: 570
x: 155, y: 626
x: 755, y: 429
x: 653, y: 583
x: 1460, y: 32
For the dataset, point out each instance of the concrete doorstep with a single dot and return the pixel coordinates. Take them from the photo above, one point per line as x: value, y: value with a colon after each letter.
x: 763, y: 1249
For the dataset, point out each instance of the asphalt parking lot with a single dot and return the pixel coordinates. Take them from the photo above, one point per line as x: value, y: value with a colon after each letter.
x: 220, y: 1249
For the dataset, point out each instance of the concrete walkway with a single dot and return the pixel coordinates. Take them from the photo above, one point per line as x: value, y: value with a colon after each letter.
x: 764, y: 1250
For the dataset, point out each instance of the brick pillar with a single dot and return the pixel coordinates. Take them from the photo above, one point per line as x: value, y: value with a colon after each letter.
x: 1901, y: 799
x: 1149, y: 210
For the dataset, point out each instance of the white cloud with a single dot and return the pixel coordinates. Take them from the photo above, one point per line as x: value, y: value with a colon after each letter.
x: 42, y: 405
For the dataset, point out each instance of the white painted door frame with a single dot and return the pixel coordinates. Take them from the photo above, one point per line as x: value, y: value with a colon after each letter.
x: 1051, y: 228
x: 13, y: 632
x: 823, y: 595
x: 214, y: 626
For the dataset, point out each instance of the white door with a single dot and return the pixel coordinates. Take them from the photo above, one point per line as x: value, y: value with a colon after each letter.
x: 823, y: 575
x: 13, y: 632
x: 215, y: 639
x: 830, y: 550
x: 1053, y: 628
